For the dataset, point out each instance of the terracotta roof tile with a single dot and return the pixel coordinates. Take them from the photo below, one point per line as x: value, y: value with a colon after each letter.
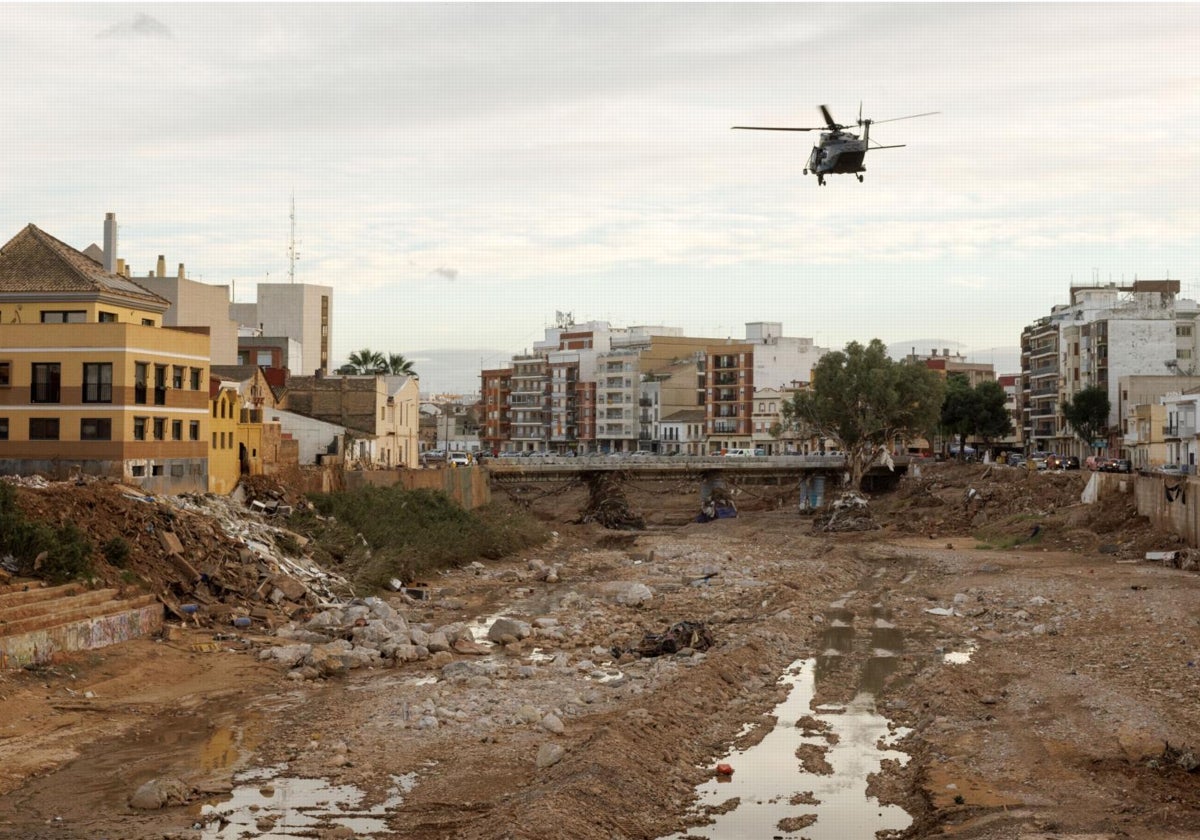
x: 33, y: 261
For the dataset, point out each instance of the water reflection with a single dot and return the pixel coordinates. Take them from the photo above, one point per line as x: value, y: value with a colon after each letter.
x: 769, y: 777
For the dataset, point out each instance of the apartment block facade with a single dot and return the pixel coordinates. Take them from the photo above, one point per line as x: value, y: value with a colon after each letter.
x: 90, y: 380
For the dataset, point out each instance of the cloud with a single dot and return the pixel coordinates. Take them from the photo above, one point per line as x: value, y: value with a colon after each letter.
x: 142, y: 26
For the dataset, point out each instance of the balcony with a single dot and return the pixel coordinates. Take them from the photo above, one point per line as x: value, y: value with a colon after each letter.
x: 1180, y: 430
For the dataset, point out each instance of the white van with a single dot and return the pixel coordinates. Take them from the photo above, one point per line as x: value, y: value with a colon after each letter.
x: 740, y: 453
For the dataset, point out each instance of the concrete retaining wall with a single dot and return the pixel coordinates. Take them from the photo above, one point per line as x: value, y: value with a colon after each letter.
x: 468, y: 486
x: 37, y: 646
x: 1172, y: 503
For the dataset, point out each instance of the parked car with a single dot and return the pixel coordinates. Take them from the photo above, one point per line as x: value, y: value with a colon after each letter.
x: 1015, y: 459
x: 1069, y: 462
x: 1171, y: 469
x: 1093, y: 462
x: 459, y: 459
x: 1117, y: 465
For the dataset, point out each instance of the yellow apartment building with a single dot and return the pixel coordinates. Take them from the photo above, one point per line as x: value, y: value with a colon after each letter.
x: 90, y: 381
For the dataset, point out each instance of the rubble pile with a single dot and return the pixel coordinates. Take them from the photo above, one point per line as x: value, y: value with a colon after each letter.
x: 368, y: 632
x: 207, y: 558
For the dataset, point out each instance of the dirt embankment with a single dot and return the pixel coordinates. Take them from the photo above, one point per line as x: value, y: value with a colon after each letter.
x: 1082, y: 667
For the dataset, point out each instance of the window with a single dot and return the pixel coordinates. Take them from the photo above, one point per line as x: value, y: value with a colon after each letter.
x: 139, y: 428
x: 43, y: 428
x: 176, y: 430
x: 137, y: 471
x: 5, y: 374
x: 177, y: 470
x: 263, y: 358
x: 147, y: 322
x: 160, y: 384
x: 74, y: 316
x: 160, y: 425
x: 108, y: 317
x: 177, y: 377
x: 194, y: 430
x: 3, y: 428
x: 97, y: 382
x: 157, y: 469
x: 214, y: 443
x: 140, y: 372
x: 47, y: 380
x: 195, y: 373
x: 95, y: 428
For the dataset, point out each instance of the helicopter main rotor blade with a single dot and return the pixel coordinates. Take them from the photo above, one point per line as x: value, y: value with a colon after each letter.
x: 909, y: 117
x: 901, y: 146
x: 828, y: 117
x: 774, y: 128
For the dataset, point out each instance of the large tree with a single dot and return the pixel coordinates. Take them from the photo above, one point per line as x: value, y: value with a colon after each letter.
x: 1087, y: 414
x: 977, y: 412
x: 863, y: 400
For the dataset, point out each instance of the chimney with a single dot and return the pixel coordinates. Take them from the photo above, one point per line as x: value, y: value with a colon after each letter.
x: 161, y: 269
x: 120, y: 264
x: 182, y: 274
x: 946, y: 352
x: 110, y: 242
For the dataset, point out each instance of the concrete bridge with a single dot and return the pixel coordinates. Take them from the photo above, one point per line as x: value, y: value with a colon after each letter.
x: 807, y: 480
x: 773, y: 470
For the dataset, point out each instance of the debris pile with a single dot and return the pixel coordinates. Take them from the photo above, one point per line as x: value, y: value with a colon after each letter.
x: 851, y: 512
x: 684, y: 635
x: 207, y: 558
x: 607, y: 505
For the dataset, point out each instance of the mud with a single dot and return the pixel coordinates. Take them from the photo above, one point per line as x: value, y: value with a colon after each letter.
x: 1040, y: 702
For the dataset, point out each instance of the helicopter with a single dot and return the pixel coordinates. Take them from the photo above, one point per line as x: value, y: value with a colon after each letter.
x: 839, y: 152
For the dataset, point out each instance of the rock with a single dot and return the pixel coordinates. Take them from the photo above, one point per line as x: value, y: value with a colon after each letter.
x: 504, y: 626
x: 528, y: 714
x: 552, y: 724
x: 160, y: 793
x: 469, y: 648
x: 548, y: 755
x: 427, y: 722
x: 1038, y: 601
x: 441, y: 659
x: 627, y: 593
x: 545, y: 622
x: 420, y: 637
x: 438, y: 641
x: 338, y: 832
x: 288, y: 655
x: 405, y: 653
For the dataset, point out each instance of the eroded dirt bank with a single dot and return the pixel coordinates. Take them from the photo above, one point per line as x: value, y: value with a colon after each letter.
x: 1081, y: 667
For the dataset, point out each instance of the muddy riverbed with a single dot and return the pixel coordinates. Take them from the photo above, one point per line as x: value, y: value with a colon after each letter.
x: 861, y: 685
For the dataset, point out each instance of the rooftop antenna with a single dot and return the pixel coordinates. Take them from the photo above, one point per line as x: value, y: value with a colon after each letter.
x: 292, y: 254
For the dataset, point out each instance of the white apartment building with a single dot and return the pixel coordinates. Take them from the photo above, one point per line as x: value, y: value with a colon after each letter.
x: 195, y: 304
x: 781, y: 361
x: 299, y: 311
x: 1103, y: 334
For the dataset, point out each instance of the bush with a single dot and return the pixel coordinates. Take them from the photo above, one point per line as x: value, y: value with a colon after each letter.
x: 68, y: 550
x: 116, y: 552
x: 409, y: 533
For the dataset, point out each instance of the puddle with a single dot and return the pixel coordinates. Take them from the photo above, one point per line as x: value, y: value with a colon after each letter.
x: 840, y: 803
x: 959, y: 657
x: 267, y: 805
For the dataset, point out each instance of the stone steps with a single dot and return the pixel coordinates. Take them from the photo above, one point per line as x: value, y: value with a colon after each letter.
x: 38, y: 622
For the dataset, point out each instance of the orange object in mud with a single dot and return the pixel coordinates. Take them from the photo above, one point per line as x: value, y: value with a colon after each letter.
x: 724, y: 770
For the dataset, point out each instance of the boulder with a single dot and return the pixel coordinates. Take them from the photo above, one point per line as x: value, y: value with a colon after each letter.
x: 548, y: 755
x: 504, y: 626
x: 160, y: 793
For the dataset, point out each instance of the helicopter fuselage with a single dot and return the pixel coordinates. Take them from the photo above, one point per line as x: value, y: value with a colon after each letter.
x: 838, y: 152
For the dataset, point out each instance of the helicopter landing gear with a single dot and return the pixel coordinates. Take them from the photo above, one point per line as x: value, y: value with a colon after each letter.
x: 860, y: 179
x: 805, y: 171
x: 821, y: 180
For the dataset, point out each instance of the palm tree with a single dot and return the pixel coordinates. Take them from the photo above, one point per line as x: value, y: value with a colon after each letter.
x: 397, y: 365
x: 368, y: 361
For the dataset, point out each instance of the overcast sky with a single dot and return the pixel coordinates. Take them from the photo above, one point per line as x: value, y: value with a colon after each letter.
x: 461, y: 172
